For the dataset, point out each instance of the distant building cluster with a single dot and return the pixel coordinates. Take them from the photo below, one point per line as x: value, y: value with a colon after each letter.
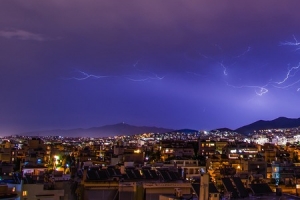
x: 192, y: 165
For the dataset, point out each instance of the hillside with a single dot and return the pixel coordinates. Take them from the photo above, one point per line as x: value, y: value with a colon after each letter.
x: 102, y: 131
x: 281, y: 122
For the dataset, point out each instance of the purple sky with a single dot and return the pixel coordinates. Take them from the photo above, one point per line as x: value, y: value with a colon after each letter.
x: 174, y: 64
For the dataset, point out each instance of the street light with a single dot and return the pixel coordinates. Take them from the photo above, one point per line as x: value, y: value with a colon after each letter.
x: 56, y: 158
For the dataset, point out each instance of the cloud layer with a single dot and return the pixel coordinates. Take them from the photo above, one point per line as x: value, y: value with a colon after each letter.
x: 21, y: 35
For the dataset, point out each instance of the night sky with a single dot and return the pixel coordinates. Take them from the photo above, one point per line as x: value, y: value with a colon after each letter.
x: 166, y: 63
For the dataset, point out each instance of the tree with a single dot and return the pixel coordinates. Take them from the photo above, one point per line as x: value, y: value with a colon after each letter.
x: 79, y: 192
x: 156, y: 156
x: 17, y: 164
x: 195, y: 147
x: 295, y: 157
x: 67, y: 161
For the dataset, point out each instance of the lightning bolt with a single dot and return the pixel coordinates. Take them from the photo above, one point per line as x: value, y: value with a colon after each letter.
x: 244, y: 53
x: 224, y: 68
x: 262, y: 91
x: 204, y: 56
x: 259, y: 90
x: 155, y: 77
x: 292, y: 71
x: 285, y: 83
x: 152, y: 77
x: 158, y: 77
x: 136, y: 63
x: 288, y: 86
x: 86, y: 76
x: 145, y: 79
x: 196, y: 74
x: 295, y: 43
x: 288, y: 75
x: 148, y: 76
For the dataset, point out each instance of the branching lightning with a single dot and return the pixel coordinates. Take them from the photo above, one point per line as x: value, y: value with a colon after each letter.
x: 259, y: 90
x: 288, y: 75
x: 146, y: 77
x: 288, y: 86
x: 291, y: 72
x: 283, y: 84
x: 295, y: 43
x: 86, y: 76
x: 288, y: 81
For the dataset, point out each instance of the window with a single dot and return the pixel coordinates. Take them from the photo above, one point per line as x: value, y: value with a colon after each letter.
x: 24, y: 193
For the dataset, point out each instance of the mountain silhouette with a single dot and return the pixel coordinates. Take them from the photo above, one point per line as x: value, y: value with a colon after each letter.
x: 102, y: 131
x: 281, y: 122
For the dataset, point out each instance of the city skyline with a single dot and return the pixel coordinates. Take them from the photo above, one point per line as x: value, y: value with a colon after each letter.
x: 172, y: 64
